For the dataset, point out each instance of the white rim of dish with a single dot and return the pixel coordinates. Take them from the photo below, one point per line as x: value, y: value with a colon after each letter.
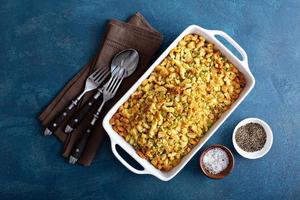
x: 241, y: 64
x: 267, y: 146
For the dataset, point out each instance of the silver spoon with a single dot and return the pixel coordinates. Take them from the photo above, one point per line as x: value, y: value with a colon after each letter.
x: 125, y: 65
x: 126, y: 58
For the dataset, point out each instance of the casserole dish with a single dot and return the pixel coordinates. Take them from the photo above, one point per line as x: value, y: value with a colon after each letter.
x: 241, y: 65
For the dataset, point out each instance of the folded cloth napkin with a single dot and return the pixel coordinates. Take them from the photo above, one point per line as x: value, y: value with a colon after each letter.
x: 138, y: 34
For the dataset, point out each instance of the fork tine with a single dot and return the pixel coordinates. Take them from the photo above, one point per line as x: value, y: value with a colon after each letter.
x: 99, y: 70
x: 112, y: 85
x: 115, y: 83
x: 96, y: 76
x: 96, y: 72
x: 114, y: 78
x: 116, y: 86
x: 109, y: 82
x: 117, y: 80
x: 102, y: 76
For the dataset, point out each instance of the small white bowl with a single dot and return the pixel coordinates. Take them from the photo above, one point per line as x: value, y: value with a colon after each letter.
x: 267, y: 146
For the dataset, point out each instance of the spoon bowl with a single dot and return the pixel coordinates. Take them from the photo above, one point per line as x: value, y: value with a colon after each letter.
x: 127, y: 60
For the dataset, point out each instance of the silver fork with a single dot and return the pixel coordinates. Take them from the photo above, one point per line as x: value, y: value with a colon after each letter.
x: 91, y: 83
x: 109, y: 91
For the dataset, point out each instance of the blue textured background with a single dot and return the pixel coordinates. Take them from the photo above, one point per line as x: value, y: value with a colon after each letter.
x: 44, y: 43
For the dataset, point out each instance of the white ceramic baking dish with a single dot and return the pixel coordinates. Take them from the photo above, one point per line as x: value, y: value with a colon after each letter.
x: 242, y: 65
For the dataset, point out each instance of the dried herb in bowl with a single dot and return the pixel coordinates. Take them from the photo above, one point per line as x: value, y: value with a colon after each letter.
x: 251, y: 137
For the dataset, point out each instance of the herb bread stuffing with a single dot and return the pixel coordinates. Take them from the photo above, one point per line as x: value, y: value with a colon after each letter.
x: 176, y: 105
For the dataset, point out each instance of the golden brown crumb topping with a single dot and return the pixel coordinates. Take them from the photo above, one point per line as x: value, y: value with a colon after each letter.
x: 176, y: 105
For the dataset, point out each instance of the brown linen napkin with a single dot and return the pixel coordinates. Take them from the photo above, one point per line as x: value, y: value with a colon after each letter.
x: 137, y: 33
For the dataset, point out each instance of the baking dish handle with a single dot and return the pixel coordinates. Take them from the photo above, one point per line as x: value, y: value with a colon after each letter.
x: 115, y: 152
x: 234, y: 44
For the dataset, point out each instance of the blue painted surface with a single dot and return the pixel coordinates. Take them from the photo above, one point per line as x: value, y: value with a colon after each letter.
x: 44, y: 43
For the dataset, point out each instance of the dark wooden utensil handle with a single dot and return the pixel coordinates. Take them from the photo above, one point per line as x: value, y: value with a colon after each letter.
x: 56, y: 122
x: 81, y: 144
x: 82, y: 112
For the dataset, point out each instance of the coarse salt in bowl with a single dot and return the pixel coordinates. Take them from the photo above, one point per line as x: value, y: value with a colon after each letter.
x: 215, y: 160
x: 267, y: 146
x: 213, y: 164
